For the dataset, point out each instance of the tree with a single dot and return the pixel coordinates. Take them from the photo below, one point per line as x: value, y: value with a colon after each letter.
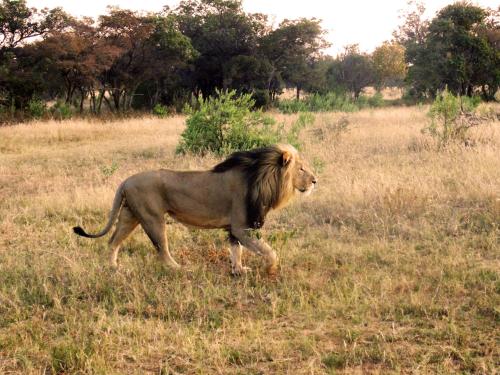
x: 389, y: 64
x: 352, y: 71
x: 168, y: 53
x: 292, y: 50
x: 225, y: 38
x: 18, y: 23
x: 456, y: 52
x: 318, y: 77
x: 78, y: 56
x: 414, y: 29
x: 152, y: 48
x: 129, y: 59
x: 19, y: 80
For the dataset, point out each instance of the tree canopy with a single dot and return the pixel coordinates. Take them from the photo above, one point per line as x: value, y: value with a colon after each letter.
x: 456, y: 49
x: 126, y: 60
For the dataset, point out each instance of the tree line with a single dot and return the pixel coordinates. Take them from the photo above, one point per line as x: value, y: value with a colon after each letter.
x: 126, y: 60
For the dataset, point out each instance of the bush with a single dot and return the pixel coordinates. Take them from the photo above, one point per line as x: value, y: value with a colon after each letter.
x: 289, y: 106
x: 226, y: 123
x: 160, y: 110
x: 36, y: 108
x: 376, y: 101
x: 305, y: 119
x: 262, y: 98
x: 330, y: 102
x: 451, y: 117
x: 61, y: 111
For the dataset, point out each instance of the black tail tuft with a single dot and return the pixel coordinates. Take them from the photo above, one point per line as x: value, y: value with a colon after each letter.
x: 80, y: 231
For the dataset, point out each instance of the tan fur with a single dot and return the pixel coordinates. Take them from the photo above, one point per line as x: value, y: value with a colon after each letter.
x: 208, y: 199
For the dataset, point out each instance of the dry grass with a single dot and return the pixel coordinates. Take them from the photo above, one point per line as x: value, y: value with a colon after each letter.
x: 390, y: 266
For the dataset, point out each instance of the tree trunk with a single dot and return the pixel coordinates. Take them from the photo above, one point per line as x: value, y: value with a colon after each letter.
x: 470, y: 90
x: 106, y: 100
x: 82, y: 98
x: 156, y: 96
x: 92, y: 101
x: 102, y: 92
x: 116, y: 95
x: 69, y: 93
x: 298, y: 93
x: 123, y: 100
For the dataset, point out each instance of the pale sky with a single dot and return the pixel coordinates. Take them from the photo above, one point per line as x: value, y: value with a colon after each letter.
x: 366, y: 22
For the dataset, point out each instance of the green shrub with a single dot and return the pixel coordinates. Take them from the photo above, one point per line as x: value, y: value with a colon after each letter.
x: 330, y: 102
x: 305, y: 119
x: 226, y: 123
x: 108, y: 171
x: 262, y: 98
x: 376, y: 101
x: 61, y: 111
x: 160, y: 110
x: 36, y: 108
x: 289, y: 106
x: 450, y: 117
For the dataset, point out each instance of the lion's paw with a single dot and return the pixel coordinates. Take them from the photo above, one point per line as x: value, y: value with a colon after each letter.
x: 239, y: 271
x: 272, y: 270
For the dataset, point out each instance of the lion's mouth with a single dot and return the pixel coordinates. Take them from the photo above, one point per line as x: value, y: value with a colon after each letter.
x: 306, y: 190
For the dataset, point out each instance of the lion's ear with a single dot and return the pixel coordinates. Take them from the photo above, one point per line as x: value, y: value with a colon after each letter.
x: 286, y: 157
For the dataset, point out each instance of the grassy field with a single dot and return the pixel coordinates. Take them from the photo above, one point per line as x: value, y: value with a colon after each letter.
x: 390, y: 266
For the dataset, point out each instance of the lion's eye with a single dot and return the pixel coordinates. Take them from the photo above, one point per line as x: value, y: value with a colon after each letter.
x: 302, y: 169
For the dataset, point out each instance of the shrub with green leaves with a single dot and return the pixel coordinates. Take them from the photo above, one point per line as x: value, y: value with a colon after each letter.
x: 226, y: 123
x: 61, y: 111
x: 36, y: 108
x: 449, y: 114
x: 377, y: 100
x: 160, y: 110
x: 305, y: 119
x: 330, y: 102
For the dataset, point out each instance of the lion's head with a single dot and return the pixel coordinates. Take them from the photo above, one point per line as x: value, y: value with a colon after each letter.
x: 272, y: 174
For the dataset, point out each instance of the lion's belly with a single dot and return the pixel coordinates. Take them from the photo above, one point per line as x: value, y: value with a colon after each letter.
x: 199, y: 221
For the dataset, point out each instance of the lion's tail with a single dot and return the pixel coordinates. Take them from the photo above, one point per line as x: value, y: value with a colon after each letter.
x: 115, y: 210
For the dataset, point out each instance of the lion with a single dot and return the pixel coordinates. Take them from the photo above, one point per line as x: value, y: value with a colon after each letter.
x: 235, y: 195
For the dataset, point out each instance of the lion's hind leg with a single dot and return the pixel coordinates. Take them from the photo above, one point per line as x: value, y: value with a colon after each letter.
x: 127, y: 222
x: 155, y: 228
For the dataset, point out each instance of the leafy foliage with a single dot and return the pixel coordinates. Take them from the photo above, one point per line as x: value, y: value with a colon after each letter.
x: 330, y: 102
x: 225, y: 123
x: 19, y: 23
x: 352, y: 71
x: 457, y: 49
x: 292, y: 50
x: 448, y: 116
x: 128, y: 60
x: 305, y: 119
x: 36, y: 108
x: 160, y: 110
x: 389, y: 64
x: 61, y: 111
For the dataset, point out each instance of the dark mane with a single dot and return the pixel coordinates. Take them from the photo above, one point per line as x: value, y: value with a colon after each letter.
x: 264, y: 172
x: 246, y: 159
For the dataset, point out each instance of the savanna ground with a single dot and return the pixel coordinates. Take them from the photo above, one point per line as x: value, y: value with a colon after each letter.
x: 391, y: 265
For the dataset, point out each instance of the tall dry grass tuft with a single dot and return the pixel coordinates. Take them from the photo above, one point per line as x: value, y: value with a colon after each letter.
x: 390, y: 266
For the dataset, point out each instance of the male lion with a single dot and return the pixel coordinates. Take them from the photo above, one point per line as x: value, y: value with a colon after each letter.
x: 235, y: 195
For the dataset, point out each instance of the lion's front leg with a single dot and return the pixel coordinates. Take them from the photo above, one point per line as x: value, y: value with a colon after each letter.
x: 237, y: 268
x: 259, y: 247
